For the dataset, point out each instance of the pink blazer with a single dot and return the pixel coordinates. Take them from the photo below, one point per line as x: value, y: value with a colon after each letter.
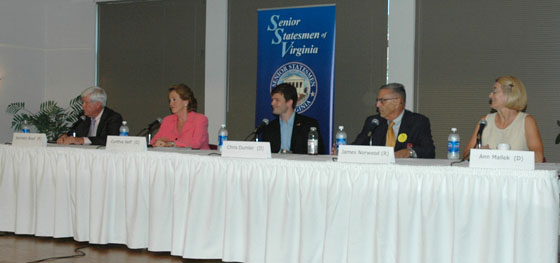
x: 194, y: 133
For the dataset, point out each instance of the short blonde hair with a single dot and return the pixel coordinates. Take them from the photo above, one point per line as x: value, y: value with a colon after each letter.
x: 516, y: 95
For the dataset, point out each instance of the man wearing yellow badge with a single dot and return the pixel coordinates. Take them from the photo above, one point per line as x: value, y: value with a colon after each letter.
x: 408, y: 132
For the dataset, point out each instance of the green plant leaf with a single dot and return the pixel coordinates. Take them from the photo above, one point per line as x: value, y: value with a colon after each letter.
x: 51, y: 119
x: 76, y: 103
x: 49, y: 108
x: 70, y: 117
x: 13, y: 108
x: 46, y: 106
x: 558, y: 139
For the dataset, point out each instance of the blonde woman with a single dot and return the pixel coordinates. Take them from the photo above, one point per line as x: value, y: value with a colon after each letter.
x: 509, y: 124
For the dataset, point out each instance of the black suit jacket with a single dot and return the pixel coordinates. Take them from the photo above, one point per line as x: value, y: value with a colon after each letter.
x: 415, y: 126
x: 271, y: 133
x: 109, y: 124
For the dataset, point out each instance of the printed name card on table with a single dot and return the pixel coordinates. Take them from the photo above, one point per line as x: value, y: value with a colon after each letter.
x: 126, y: 143
x: 365, y: 154
x: 29, y: 139
x: 242, y: 149
x: 483, y: 158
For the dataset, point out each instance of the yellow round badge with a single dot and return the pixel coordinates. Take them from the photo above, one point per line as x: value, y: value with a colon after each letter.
x: 402, y: 137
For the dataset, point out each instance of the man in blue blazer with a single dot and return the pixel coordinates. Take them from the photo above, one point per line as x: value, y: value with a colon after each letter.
x: 97, y: 123
x: 411, y: 135
x: 289, y: 130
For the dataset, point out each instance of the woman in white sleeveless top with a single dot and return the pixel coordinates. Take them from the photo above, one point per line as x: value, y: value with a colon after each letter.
x: 508, y: 124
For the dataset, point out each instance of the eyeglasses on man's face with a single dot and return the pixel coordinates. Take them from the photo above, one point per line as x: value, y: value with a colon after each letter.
x: 382, y: 100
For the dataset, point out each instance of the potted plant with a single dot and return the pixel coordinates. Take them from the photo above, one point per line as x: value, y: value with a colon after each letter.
x: 51, y: 119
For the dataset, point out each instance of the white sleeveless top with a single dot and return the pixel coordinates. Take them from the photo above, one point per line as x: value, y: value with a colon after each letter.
x: 514, y: 134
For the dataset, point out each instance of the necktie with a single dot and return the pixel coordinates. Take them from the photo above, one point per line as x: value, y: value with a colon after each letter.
x: 390, y: 139
x: 92, y: 128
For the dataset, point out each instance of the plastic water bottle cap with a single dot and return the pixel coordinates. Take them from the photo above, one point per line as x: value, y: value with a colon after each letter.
x: 504, y: 147
x: 341, y: 127
x: 124, y: 122
x: 454, y: 129
x: 223, y: 125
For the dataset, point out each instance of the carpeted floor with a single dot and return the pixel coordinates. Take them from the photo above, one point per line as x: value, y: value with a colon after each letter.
x: 24, y: 248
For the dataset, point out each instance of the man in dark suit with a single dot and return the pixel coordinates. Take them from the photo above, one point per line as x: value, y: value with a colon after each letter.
x: 410, y: 132
x: 289, y: 130
x: 97, y: 123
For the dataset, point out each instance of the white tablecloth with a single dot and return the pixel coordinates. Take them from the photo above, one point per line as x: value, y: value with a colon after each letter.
x: 281, y: 210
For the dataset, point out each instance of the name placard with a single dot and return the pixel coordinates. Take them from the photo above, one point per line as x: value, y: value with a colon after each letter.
x: 242, y: 149
x: 365, y: 154
x: 29, y: 139
x: 482, y: 158
x: 126, y: 143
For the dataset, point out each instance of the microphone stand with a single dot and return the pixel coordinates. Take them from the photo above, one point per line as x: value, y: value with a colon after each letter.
x: 257, y: 131
x: 481, y: 127
x: 254, y: 134
x: 478, y: 144
x: 75, y: 125
x: 371, y: 135
x: 374, y: 124
x: 141, y: 132
x: 151, y: 129
x: 147, y: 131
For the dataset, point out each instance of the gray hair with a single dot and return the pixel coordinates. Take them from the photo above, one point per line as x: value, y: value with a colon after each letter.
x: 396, y: 88
x: 95, y: 94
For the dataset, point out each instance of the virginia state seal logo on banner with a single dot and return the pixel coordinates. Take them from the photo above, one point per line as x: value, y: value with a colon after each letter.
x: 301, y: 77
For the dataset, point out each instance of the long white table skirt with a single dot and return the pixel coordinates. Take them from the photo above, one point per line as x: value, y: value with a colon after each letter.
x: 280, y: 210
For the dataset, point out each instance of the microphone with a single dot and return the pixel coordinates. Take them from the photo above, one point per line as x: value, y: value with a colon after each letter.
x: 258, y: 129
x: 150, y: 127
x: 154, y: 123
x: 73, y: 128
x: 478, y: 144
x: 261, y: 126
x: 372, y: 126
x: 481, y: 127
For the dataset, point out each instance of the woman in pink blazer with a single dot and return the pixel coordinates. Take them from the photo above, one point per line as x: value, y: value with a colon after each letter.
x: 185, y: 127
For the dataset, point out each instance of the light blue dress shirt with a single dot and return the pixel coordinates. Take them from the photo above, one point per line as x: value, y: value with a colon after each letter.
x: 286, y: 132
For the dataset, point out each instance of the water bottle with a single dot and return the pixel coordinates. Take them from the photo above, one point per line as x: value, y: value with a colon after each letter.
x: 222, y: 136
x: 341, y: 138
x: 123, y: 129
x: 453, y: 142
x: 313, y: 141
x: 25, y: 127
x: 410, y: 148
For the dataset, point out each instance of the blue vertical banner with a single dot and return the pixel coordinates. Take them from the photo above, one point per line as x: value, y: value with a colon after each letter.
x: 296, y: 45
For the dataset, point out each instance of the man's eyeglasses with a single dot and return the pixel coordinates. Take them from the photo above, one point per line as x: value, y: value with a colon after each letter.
x: 382, y: 101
